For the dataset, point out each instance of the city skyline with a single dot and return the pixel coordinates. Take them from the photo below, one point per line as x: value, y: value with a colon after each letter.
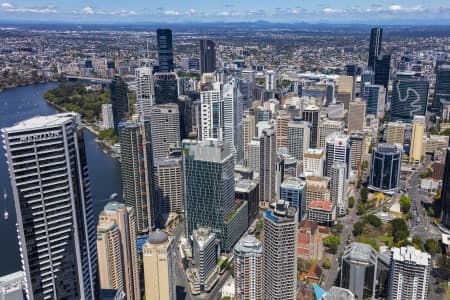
x: 331, y: 12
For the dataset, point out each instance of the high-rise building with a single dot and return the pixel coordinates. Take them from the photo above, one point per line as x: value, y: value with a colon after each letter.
x: 356, y: 115
x: 248, y: 190
x: 417, y: 150
x: 211, y: 111
x: 282, y: 122
x: 49, y: 178
x: 386, y: 165
x: 249, y: 128
x: 165, y: 87
x: 409, y: 275
x: 248, y: 269
x: 267, y: 165
x: 299, y: 134
x: 345, y: 89
x: 270, y: 80
x: 117, y: 252
x: 359, y: 269
x: 168, y: 184
x: 375, y: 96
x: 316, y: 189
x: 338, y: 186
x: 367, y: 78
x: 254, y: 150
x: 311, y: 114
x: 409, y: 97
x: 109, y: 256
x: 313, y: 162
x: 293, y: 190
x: 359, y: 143
x: 136, y: 167
x: 322, y: 212
x: 326, y: 128
x: 12, y: 286
x: 119, y: 101
x: 205, y: 249
x: 107, y: 116
x: 165, y: 129
x: 445, y: 214
x: 165, y: 50
x: 338, y: 148
x: 159, y: 266
x: 207, y: 56
x: 144, y: 90
x: 395, y: 133
x: 209, y: 164
x: 376, y: 35
x: 280, y: 252
x: 233, y: 109
x: 442, y: 87
x: 383, y: 71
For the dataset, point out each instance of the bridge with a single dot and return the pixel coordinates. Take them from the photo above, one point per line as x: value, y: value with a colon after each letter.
x: 93, y: 79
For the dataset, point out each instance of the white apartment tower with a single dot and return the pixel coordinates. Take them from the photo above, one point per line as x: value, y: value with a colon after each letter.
x: 144, y: 90
x: 107, y: 116
x: 233, y: 109
x: 211, y: 111
x: 165, y: 129
x: 338, y: 148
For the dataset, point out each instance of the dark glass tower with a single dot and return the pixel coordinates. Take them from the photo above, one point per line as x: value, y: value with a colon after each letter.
x: 119, y: 101
x: 382, y: 70
x: 375, y: 46
x: 207, y: 56
x: 409, y: 97
x: 166, y: 88
x: 386, y: 164
x: 55, y: 224
x: 445, y: 200
x: 165, y: 50
x: 442, y: 88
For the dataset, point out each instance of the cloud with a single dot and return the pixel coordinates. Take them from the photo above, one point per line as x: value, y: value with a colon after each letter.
x: 329, y: 10
x: 88, y: 10
x: 8, y: 7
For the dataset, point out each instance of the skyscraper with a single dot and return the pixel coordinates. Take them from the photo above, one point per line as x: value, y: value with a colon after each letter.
x: 313, y: 162
x: 107, y: 116
x: 248, y: 269
x: 445, y: 215
x: 359, y: 269
x: 326, y: 128
x: 270, y: 80
x: 442, y: 87
x: 233, y: 109
x: 293, y: 190
x: 117, y: 217
x: 267, y: 165
x: 208, y: 164
x: 299, y: 134
x: 159, y: 266
x: 144, y: 90
x: 280, y: 252
x: 311, y: 114
x: 356, y: 115
x: 282, y: 122
x: 338, y: 148
x: 409, y: 97
x: 375, y: 96
x: 338, y: 186
x: 165, y: 88
x: 168, y: 184
x: 248, y: 123
x: 207, y: 56
x: 254, y: 149
x: 211, y: 111
x: 417, y: 149
x: 409, y: 275
x: 165, y: 129
x: 205, y: 249
x: 247, y: 190
x: 50, y: 183
x: 165, y: 50
x: 386, y: 165
x: 383, y: 71
x: 136, y: 167
x: 376, y: 35
x: 119, y: 101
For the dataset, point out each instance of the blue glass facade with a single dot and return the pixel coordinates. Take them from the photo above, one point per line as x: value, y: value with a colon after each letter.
x: 386, y: 164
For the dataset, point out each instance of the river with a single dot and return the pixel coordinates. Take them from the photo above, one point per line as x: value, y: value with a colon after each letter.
x: 104, y: 172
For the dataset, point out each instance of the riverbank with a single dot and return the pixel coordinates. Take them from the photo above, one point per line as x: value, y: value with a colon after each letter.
x: 24, y: 84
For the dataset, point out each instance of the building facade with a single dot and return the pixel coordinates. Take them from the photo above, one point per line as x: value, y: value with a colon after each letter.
x: 386, y: 165
x: 248, y: 269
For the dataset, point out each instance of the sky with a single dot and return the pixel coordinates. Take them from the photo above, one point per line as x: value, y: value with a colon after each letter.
x: 174, y: 11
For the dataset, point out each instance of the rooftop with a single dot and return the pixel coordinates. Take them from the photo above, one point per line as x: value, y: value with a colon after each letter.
x: 323, y: 205
x: 44, y: 121
x: 158, y: 237
x: 248, y: 245
x: 362, y: 253
x: 411, y: 254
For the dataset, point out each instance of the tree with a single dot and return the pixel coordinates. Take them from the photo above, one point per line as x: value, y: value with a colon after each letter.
x: 405, y: 204
x: 417, y: 242
x: 431, y: 246
x: 444, y: 266
x: 365, y: 165
x: 364, y: 194
x: 374, y: 220
x: 358, y: 228
x: 332, y: 242
x: 399, y: 230
x: 326, y: 263
x: 361, y: 208
x: 351, y: 202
